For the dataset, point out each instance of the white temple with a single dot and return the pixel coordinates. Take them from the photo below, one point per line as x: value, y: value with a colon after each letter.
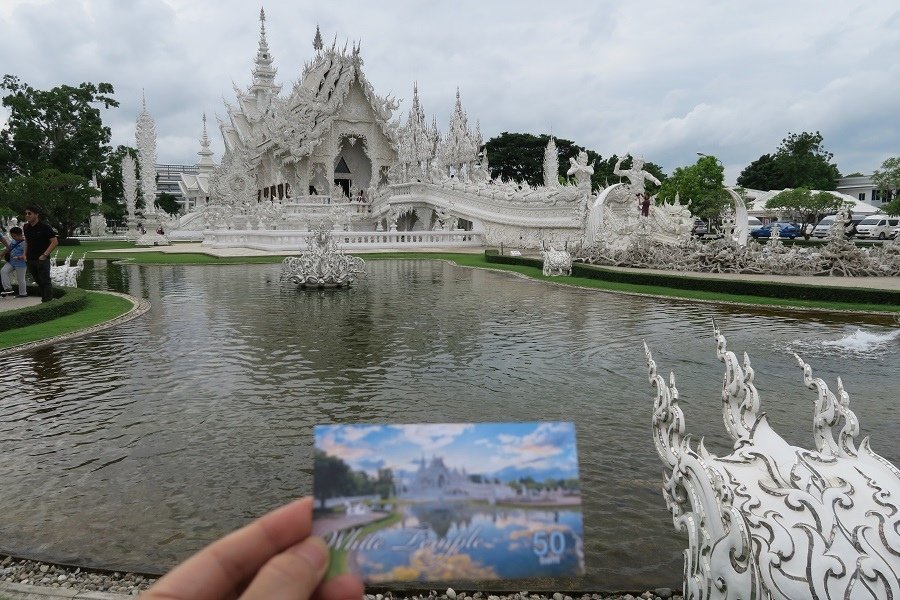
x: 434, y: 480
x: 331, y: 149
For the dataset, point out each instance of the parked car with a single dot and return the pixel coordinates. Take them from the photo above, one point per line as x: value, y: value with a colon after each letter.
x: 876, y: 227
x: 699, y: 229
x: 822, y: 227
x: 753, y: 224
x: 786, y: 229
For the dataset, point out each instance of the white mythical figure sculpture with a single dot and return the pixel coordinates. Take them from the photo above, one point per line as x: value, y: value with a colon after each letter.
x: 66, y: 275
x: 615, y: 216
x: 556, y: 262
x: 772, y: 520
x: 582, y: 172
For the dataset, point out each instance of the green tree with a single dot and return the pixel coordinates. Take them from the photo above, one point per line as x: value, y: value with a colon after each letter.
x: 168, y: 203
x: 805, y: 206
x: 64, y: 197
x: 333, y: 477
x: 887, y: 179
x: 60, y: 129
x: 800, y: 161
x: 111, y: 184
x: 52, y: 144
x: 700, y: 186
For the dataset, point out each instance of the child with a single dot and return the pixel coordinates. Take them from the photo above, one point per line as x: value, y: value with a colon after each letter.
x: 16, y: 262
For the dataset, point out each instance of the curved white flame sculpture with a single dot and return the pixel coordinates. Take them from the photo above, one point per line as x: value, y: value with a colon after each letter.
x: 322, y: 265
x: 771, y: 520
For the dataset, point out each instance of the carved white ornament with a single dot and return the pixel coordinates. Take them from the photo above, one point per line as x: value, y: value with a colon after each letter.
x: 323, y: 264
x: 556, y: 262
x: 145, y: 136
x: 771, y: 520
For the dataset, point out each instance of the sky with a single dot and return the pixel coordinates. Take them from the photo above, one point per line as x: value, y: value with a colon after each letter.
x: 660, y: 79
x: 479, y: 448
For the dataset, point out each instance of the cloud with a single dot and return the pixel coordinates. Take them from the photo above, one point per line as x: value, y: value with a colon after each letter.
x: 430, y: 437
x: 661, y: 79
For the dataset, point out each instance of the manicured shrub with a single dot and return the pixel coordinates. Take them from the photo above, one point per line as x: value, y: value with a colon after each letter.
x: 66, y: 302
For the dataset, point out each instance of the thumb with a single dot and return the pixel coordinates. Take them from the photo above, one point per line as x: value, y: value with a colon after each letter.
x: 294, y: 574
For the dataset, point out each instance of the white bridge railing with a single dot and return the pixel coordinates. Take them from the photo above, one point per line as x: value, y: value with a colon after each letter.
x: 295, y: 241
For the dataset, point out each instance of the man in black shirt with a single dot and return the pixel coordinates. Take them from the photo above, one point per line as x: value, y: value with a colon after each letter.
x: 40, y: 240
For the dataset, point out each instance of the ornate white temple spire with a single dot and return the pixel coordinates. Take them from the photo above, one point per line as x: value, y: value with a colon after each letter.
x: 551, y: 164
x: 458, y: 149
x: 145, y: 136
x: 263, y: 71
x: 317, y: 41
x: 205, y: 164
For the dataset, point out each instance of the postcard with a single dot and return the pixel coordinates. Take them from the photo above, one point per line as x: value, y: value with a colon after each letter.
x: 449, y: 502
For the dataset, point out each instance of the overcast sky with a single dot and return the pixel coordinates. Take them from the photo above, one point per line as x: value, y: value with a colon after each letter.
x: 657, y: 78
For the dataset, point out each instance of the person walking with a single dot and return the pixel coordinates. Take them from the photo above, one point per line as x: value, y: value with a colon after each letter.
x: 40, y: 241
x: 15, y: 263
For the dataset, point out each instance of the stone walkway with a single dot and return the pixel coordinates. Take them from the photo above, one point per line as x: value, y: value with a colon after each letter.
x: 13, y: 302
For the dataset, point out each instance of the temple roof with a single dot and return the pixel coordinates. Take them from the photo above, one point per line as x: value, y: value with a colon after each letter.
x: 293, y: 126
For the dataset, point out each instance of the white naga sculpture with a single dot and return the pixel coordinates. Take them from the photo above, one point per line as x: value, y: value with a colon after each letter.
x: 65, y: 274
x: 322, y: 265
x: 556, y: 262
x: 771, y: 520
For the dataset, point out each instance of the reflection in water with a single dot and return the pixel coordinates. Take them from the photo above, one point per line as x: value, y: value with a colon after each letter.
x: 134, y: 446
x: 437, y: 542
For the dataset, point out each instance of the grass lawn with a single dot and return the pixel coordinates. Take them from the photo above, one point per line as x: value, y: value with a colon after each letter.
x: 100, y: 308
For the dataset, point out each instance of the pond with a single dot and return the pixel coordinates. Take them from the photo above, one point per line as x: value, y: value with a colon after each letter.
x: 133, y: 447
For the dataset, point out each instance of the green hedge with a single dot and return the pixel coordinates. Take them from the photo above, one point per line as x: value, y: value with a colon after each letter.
x: 739, y: 287
x: 66, y: 302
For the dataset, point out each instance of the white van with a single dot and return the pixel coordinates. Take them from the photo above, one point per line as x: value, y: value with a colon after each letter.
x: 876, y: 227
x: 753, y: 224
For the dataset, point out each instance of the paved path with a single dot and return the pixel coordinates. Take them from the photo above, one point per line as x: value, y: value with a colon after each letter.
x: 12, y: 302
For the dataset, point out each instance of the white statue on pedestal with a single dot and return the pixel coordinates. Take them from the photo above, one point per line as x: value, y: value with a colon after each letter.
x: 582, y: 172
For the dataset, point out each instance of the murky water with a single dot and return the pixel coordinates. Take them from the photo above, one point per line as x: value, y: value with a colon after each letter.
x: 133, y: 447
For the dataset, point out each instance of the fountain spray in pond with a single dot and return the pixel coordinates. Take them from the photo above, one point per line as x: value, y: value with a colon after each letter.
x: 323, y: 265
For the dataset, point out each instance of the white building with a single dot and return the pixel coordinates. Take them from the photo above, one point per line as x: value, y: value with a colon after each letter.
x: 864, y: 189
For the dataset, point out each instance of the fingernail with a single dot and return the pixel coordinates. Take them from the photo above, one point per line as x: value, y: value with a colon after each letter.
x: 314, y: 551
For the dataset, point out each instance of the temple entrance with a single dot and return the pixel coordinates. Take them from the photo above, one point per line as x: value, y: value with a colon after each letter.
x: 343, y: 184
x: 353, y: 167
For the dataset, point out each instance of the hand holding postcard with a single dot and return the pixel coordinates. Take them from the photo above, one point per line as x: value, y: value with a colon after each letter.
x: 439, y: 502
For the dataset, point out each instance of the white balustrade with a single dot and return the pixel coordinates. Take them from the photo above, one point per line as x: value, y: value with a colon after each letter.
x: 289, y: 241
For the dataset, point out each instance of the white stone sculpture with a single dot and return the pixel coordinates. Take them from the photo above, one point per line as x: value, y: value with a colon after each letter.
x: 129, y: 188
x: 551, y: 165
x: 145, y: 136
x: 582, y: 172
x: 323, y: 265
x: 556, y: 262
x: 772, y: 520
x: 636, y: 175
x: 65, y: 274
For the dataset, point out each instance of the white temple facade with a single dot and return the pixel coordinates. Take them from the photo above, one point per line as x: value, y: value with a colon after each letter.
x: 332, y: 150
x: 434, y: 480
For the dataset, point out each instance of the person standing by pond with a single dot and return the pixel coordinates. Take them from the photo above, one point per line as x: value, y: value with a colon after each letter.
x: 40, y: 241
x: 15, y: 263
